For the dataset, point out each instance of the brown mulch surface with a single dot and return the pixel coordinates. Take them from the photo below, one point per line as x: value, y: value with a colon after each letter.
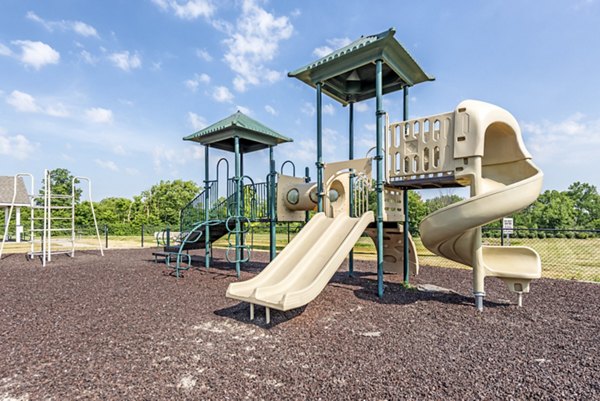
x: 121, y: 327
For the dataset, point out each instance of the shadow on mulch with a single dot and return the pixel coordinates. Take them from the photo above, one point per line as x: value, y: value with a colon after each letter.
x: 241, y: 313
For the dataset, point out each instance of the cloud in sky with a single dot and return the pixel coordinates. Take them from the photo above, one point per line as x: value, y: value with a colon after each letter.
x: 332, y: 45
x: 244, y: 110
x: 16, y: 146
x: 87, y: 57
x: 252, y: 43
x: 4, y: 50
x: 188, y: 10
x: 193, y: 83
x: 204, y: 55
x: 577, y: 135
x: 269, y: 109
x: 222, y: 94
x: 26, y: 103
x: 98, y: 115
x: 196, y: 122
x: 125, y: 61
x: 107, y: 164
x: 361, y: 107
x: 22, y: 102
x: 80, y: 28
x: 329, y: 109
x: 36, y: 54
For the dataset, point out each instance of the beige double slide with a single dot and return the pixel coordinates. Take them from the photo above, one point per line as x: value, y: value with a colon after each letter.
x: 300, y: 272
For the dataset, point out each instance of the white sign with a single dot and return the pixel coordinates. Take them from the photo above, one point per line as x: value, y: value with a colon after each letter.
x: 507, y: 225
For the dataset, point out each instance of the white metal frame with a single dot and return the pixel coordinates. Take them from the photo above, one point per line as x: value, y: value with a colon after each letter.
x: 47, y: 207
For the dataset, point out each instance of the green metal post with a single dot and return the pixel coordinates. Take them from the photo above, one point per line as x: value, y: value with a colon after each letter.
x: 238, y: 209
x: 405, y: 197
x: 272, y: 207
x: 307, y: 180
x: 207, y: 247
x: 319, y: 148
x: 379, y: 186
x: 351, y: 187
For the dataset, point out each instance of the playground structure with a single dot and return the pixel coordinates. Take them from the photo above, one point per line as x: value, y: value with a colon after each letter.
x: 478, y: 145
x: 55, y: 212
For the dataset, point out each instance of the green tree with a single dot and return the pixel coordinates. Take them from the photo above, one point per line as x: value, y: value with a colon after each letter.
x: 441, y: 201
x: 553, y: 209
x: 163, y: 201
x: 587, y: 204
x: 61, y: 183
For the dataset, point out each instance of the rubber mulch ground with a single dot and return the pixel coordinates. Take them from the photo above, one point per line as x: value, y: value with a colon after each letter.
x: 120, y: 327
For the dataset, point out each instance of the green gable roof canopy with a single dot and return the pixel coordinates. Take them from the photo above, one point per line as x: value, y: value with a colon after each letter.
x: 348, y: 74
x: 253, y: 135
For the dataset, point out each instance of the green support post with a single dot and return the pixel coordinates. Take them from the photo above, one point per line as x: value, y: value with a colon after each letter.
x: 351, y: 187
x: 238, y: 201
x: 379, y: 186
x: 207, y: 250
x: 319, y: 147
x: 306, y: 180
x: 272, y: 207
x: 405, y: 197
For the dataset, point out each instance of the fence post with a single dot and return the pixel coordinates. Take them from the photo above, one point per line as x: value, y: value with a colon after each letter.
x: 106, y: 235
x: 168, y: 236
x: 142, y: 235
x: 502, y: 235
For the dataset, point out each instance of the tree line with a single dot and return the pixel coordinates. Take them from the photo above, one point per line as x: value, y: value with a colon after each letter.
x: 159, y: 207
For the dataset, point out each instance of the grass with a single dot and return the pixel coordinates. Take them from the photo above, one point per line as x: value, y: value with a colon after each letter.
x: 577, y: 259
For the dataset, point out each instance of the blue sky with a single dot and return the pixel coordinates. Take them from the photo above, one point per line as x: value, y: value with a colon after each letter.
x: 108, y: 88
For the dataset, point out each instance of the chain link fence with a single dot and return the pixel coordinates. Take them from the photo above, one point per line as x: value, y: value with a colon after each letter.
x: 566, y: 253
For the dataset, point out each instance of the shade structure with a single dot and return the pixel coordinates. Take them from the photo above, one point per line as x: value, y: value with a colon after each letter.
x: 348, y: 74
x: 252, y: 134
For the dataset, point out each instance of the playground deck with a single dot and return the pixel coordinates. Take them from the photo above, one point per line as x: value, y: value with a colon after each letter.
x: 120, y: 327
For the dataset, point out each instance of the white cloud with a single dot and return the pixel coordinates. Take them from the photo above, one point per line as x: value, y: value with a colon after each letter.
x: 254, y: 42
x: 80, y: 28
x: 308, y: 109
x: 576, y: 135
x: 25, y: 103
x: 36, y: 54
x: 204, y: 55
x: 329, y: 109
x: 189, y: 10
x: 370, y: 127
x: 332, y: 45
x: 67, y: 157
x: 125, y: 60
x: 99, y: 115
x: 5, y: 51
x: 271, y: 110
x: 107, y: 164
x: 193, y: 83
x: 222, y: 94
x: 132, y: 171
x: 16, y: 146
x: 361, y: 107
x: 87, y: 57
x: 119, y: 150
x: 57, y: 110
x: 22, y: 102
x: 244, y: 110
x: 196, y: 122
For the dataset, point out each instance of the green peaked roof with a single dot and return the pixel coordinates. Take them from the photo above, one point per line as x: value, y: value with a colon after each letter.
x: 253, y: 135
x: 348, y: 74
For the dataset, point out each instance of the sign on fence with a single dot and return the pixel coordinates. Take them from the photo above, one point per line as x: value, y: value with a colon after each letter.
x: 507, y: 225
